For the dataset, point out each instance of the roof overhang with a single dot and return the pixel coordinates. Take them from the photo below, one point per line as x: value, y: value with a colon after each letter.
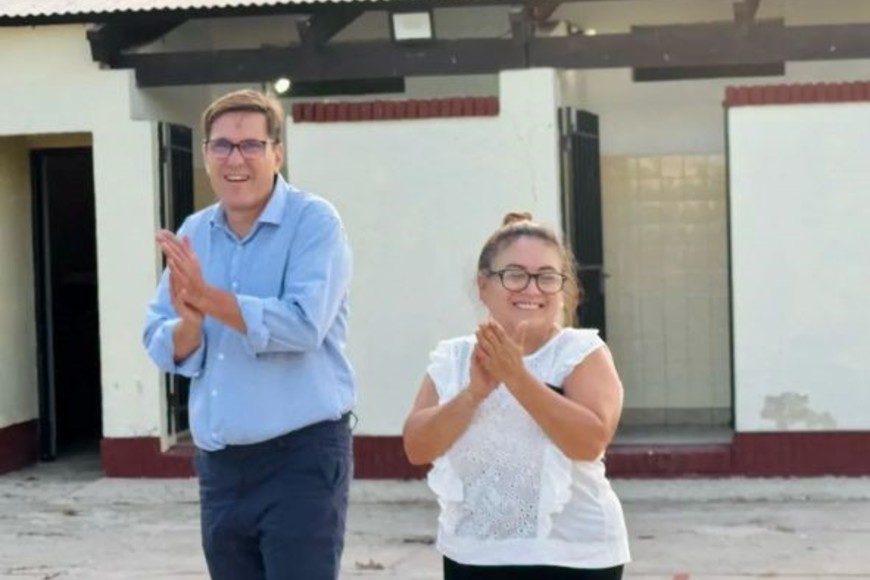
x: 741, y: 42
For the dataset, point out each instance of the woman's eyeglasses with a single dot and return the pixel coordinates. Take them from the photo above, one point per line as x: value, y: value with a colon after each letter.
x: 517, y: 280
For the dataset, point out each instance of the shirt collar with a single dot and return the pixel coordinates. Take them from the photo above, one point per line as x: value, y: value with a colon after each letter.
x: 271, y: 214
x: 274, y: 210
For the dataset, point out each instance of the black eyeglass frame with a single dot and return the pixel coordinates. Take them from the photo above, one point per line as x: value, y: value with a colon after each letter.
x: 529, y: 278
x: 262, y: 143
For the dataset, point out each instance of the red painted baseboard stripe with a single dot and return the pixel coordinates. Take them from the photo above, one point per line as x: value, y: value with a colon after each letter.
x: 749, y: 454
x: 19, y: 445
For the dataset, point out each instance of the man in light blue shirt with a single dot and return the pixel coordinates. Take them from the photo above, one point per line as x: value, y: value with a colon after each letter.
x: 253, y: 307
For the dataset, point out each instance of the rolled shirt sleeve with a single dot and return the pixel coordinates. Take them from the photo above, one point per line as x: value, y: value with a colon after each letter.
x: 161, y: 349
x: 315, y: 287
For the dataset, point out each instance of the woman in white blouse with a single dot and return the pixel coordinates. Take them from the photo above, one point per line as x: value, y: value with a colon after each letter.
x: 515, y: 420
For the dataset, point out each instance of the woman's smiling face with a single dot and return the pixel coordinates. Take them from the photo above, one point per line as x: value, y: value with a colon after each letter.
x: 501, y: 289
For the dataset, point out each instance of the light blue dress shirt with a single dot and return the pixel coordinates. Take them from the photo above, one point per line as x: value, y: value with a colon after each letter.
x: 290, y: 275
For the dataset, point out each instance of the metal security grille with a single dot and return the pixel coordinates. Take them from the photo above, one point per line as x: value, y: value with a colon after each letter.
x: 581, y: 207
x: 176, y: 203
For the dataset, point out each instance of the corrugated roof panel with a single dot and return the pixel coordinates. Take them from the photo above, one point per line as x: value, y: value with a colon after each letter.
x: 47, y: 8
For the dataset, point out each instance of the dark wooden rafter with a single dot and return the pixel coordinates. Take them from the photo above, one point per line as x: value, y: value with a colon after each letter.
x: 533, y: 14
x: 358, y: 60
x: 111, y: 39
x: 522, y: 26
x: 675, y: 73
x: 718, y: 44
x: 541, y: 10
x: 522, y: 31
x: 744, y: 14
x: 319, y: 28
x: 745, y: 11
x: 702, y: 44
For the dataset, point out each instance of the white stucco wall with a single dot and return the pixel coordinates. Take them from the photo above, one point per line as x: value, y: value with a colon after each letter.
x: 663, y: 144
x: 18, y: 392
x: 181, y: 106
x: 418, y: 199
x: 800, y: 239
x: 49, y: 85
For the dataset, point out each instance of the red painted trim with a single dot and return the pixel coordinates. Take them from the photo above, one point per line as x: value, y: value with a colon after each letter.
x: 740, y: 96
x: 383, y: 457
x: 669, y: 460
x: 345, y: 111
x: 19, y: 445
x: 141, y: 457
x: 749, y: 454
x: 782, y: 454
x: 374, y: 458
x: 802, y: 454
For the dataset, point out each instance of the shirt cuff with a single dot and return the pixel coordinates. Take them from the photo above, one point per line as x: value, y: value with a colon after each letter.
x: 257, y: 335
x: 191, y: 365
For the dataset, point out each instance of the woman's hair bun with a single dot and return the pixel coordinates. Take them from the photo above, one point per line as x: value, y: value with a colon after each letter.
x: 516, y: 216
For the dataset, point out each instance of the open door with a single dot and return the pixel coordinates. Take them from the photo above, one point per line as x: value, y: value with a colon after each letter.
x: 67, y: 309
x: 581, y: 208
x: 176, y: 203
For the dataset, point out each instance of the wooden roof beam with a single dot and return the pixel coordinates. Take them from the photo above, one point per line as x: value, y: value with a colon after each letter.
x: 109, y: 40
x: 541, y: 10
x: 745, y: 12
x: 697, y: 45
x: 321, y: 27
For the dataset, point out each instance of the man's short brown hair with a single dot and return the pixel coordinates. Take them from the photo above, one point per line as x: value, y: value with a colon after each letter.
x: 246, y: 100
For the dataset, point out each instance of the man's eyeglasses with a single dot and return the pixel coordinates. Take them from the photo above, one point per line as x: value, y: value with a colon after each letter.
x: 223, y: 148
x: 517, y: 280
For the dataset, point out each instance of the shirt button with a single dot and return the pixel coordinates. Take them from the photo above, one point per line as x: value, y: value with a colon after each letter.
x: 221, y: 356
x: 235, y: 285
x: 214, y: 393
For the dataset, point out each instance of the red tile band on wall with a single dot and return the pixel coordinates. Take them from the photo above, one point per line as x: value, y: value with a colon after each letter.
x: 389, y: 110
x: 784, y: 94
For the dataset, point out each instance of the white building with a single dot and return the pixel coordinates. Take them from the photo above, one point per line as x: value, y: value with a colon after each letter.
x: 733, y: 237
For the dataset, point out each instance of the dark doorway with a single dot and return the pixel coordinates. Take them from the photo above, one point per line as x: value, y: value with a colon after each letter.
x: 65, y: 275
x: 581, y: 208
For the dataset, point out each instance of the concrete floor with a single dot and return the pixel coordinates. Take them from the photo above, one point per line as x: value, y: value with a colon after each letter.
x: 65, y: 521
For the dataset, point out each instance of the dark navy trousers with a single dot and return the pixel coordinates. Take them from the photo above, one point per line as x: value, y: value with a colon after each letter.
x: 276, y: 510
x: 456, y: 571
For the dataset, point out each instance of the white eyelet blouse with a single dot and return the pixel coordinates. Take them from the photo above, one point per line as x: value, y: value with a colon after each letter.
x: 508, y: 495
